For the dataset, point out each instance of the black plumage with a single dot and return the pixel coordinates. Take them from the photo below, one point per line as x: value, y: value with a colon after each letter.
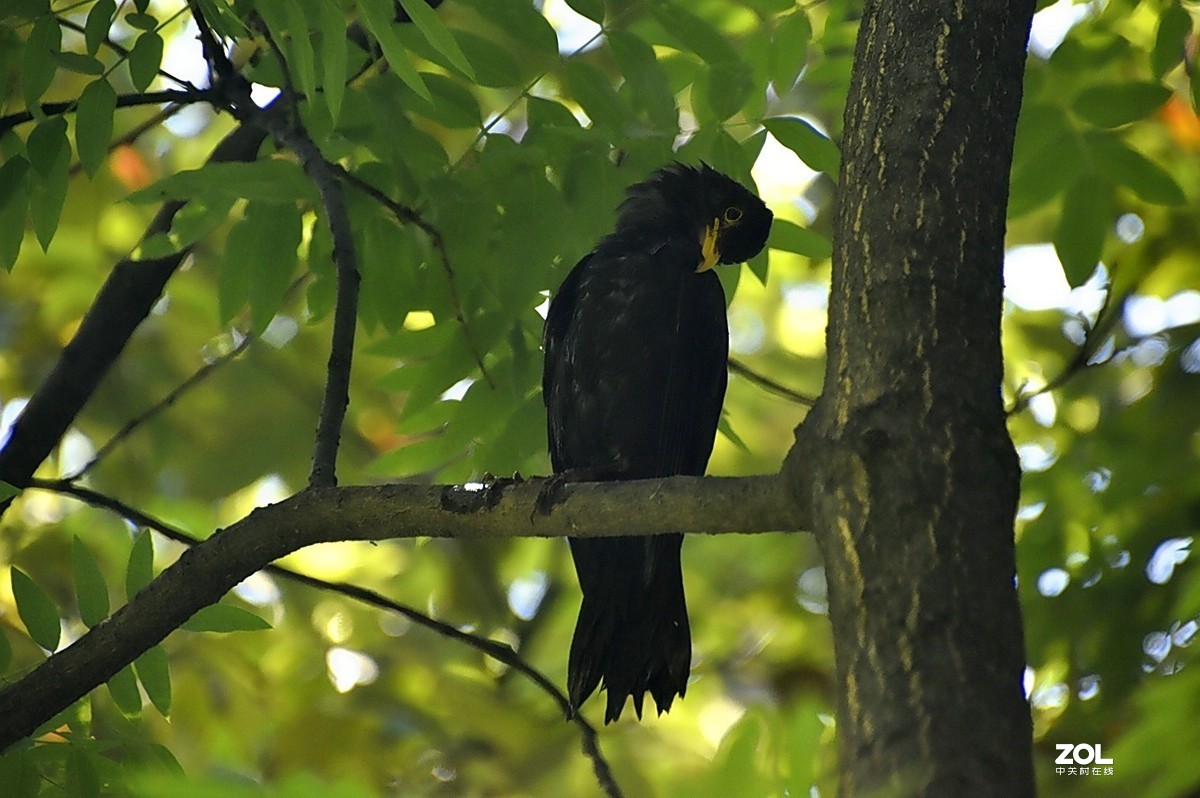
x: 636, y: 342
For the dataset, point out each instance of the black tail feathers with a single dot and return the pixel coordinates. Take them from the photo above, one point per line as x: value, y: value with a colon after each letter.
x: 632, y: 635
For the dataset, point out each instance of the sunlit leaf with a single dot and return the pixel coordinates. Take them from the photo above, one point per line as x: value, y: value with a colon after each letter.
x: 94, y: 124
x: 37, y: 611
x: 427, y: 21
x: 225, y: 618
x: 91, y: 591
x: 813, y: 147
x: 790, y: 237
x: 378, y: 16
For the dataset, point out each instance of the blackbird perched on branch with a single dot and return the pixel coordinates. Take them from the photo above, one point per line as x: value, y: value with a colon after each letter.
x: 636, y: 344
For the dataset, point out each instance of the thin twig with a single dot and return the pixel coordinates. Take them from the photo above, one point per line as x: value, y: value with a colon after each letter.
x: 119, y: 49
x: 292, y: 136
x: 500, y: 652
x: 180, y: 96
x: 1105, y: 321
x: 406, y: 214
x: 162, y: 404
x: 768, y: 384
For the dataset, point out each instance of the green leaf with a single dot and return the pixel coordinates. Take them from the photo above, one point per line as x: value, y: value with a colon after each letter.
x: 37, y: 611
x: 592, y: 9
x: 1170, y: 42
x: 522, y: 22
x: 225, y: 618
x: 124, y: 691
x: 789, y: 50
x: 37, y: 60
x: 144, y: 60
x: 94, y: 124
x: 334, y: 55
x: 265, y: 246
x: 695, y: 34
x: 592, y: 90
x: 141, y: 565
x: 431, y: 27
x: 83, y: 780
x: 91, y: 591
x: 729, y: 86
x: 494, y: 66
x: 377, y: 14
x: 5, y: 652
x: 50, y: 154
x: 14, y: 204
x: 790, y: 237
x: 1127, y: 167
x: 154, y: 673
x: 726, y: 429
x: 1044, y: 173
x: 8, y: 491
x: 644, y: 77
x: 1116, y: 104
x: 141, y: 21
x: 1087, y: 216
x: 267, y: 180
x: 80, y: 62
x: 99, y: 20
x: 812, y: 146
x: 48, y: 145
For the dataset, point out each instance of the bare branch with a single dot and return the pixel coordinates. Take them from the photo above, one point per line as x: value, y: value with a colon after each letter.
x: 770, y: 385
x: 179, y: 96
x: 1105, y: 320
x: 207, y: 571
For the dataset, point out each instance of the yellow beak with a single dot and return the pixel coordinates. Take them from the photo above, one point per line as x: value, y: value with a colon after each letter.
x: 708, y: 247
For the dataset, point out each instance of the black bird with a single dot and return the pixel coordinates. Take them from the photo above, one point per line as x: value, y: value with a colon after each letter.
x: 636, y: 342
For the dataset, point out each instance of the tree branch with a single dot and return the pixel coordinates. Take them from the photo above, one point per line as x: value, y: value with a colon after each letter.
x: 122, y: 303
x: 178, y: 96
x: 501, y: 652
x: 207, y: 571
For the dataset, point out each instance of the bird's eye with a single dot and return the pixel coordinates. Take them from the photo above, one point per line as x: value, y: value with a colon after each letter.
x: 733, y: 215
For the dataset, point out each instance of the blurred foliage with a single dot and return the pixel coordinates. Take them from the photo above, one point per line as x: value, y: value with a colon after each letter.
x: 512, y: 127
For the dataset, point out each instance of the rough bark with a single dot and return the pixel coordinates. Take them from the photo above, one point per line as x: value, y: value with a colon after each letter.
x: 913, y: 503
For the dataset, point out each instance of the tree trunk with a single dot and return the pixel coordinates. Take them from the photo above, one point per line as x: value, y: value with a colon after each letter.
x: 914, y: 506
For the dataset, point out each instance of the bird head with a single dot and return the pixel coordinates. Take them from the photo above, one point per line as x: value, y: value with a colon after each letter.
x: 729, y: 223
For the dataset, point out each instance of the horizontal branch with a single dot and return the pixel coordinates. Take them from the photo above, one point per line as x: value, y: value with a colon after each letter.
x: 322, y: 515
